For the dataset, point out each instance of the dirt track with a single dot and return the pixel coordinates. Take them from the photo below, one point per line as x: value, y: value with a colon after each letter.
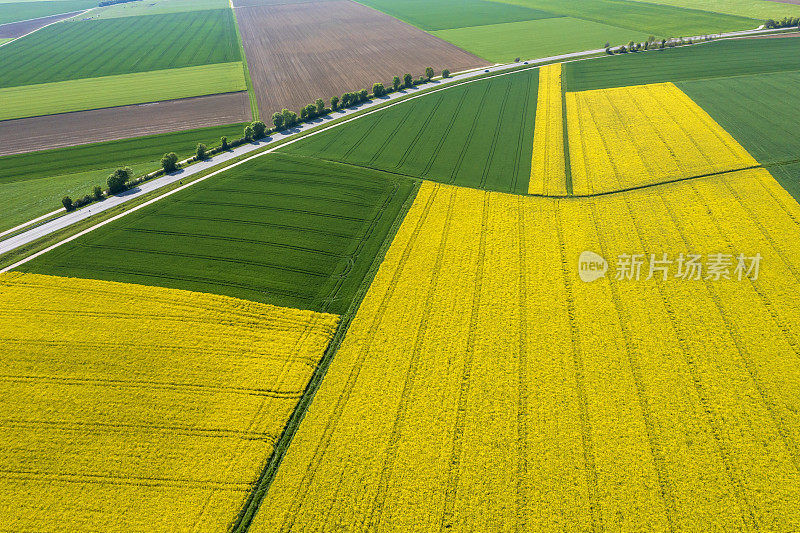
x: 68, y: 129
x: 298, y: 52
x: 12, y: 30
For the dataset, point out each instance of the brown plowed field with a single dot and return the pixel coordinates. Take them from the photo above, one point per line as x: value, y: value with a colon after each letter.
x: 12, y: 30
x: 299, y: 52
x: 68, y: 129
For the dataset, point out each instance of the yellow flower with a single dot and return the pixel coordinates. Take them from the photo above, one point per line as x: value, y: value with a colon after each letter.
x: 632, y: 136
x: 133, y: 408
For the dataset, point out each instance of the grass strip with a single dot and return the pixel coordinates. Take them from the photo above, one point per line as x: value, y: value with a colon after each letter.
x: 251, y: 93
x: 248, y: 512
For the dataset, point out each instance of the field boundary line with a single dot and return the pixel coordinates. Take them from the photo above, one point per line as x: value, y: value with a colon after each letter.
x: 355, y: 370
x: 521, y: 136
x: 415, y: 357
x: 333, y: 294
x: 495, y: 136
x: 457, y: 441
x: 241, y: 523
x: 565, y: 134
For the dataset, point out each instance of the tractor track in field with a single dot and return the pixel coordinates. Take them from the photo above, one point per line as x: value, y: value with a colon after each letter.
x: 406, y: 395
x: 36, y: 231
x: 356, y: 368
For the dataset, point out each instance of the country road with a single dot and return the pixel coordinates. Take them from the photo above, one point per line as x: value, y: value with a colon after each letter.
x: 42, y: 229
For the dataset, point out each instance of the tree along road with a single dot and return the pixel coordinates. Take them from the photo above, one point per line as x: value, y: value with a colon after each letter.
x: 45, y: 228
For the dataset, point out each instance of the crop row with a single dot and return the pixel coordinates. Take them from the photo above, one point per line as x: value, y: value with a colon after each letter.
x: 651, y: 405
x: 760, y: 111
x: 88, y: 49
x: 725, y: 58
x: 548, y: 173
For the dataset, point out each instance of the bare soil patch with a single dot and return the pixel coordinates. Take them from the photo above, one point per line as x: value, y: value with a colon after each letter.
x: 12, y: 30
x: 299, y: 52
x: 69, y: 129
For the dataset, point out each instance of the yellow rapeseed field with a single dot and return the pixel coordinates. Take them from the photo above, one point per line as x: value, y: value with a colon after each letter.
x: 482, y: 386
x: 633, y: 136
x: 132, y: 408
x: 547, y: 165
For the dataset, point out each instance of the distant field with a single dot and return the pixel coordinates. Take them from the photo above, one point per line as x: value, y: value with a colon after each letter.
x: 75, y: 50
x: 123, y: 89
x: 299, y: 52
x: 15, y: 11
x: 716, y: 59
x: 762, y: 112
x: 132, y: 408
x: 443, y: 14
x: 477, y: 135
x: 278, y: 230
x: 33, y: 184
x: 759, y: 9
x: 501, y: 43
x: 154, y: 7
x: 644, y: 17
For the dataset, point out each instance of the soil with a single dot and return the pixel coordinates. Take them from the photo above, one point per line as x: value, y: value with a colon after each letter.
x: 82, y: 127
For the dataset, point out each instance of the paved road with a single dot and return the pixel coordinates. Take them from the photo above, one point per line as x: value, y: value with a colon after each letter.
x: 45, y: 228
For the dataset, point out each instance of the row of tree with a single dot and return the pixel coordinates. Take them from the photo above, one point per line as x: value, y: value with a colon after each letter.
x: 123, y: 178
